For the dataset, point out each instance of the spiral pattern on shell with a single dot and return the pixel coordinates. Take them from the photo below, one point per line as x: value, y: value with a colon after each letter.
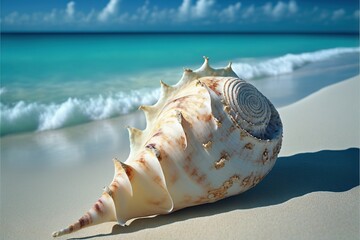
x: 249, y: 108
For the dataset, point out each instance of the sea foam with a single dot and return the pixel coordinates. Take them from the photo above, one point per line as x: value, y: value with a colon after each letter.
x: 287, y: 63
x: 38, y: 116
x: 35, y: 116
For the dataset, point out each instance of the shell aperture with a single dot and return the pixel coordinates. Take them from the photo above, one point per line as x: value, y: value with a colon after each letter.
x: 210, y: 136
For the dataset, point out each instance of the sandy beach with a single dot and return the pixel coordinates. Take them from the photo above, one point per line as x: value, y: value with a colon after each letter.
x: 312, y: 192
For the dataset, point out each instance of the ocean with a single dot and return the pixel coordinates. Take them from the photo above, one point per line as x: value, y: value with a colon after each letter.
x: 55, y: 80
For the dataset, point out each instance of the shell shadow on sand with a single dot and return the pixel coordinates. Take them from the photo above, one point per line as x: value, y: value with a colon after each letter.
x: 292, y: 176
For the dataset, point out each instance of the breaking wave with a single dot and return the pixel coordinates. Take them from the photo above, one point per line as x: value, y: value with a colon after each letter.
x: 38, y: 116
x: 287, y: 63
x: 25, y: 116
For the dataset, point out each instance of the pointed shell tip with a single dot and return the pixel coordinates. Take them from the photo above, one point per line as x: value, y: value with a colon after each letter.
x: 228, y: 67
x: 56, y: 234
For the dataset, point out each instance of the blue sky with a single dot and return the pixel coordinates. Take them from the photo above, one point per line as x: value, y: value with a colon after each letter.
x: 180, y: 15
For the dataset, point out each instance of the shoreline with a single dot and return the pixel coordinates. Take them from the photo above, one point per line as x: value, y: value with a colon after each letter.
x: 319, y: 160
x: 305, y: 77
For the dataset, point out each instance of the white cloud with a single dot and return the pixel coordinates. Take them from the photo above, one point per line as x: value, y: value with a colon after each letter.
x: 229, y: 14
x: 109, y: 10
x: 202, y: 7
x: 280, y: 9
x: 337, y: 14
x: 293, y: 8
x: 194, y: 12
x: 184, y: 9
x: 188, y: 11
x: 70, y: 9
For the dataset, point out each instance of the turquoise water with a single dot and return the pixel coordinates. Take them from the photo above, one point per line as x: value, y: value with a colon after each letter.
x: 54, y: 80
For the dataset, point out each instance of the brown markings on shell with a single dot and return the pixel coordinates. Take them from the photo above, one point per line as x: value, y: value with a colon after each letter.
x: 193, y: 171
x: 98, y: 206
x: 174, y: 178
x: 181, y: 142
x: 188, y: 119
x: 207, y: 145
x: 201, y: 179
x: 113, y: 186
x: 154, y: 150
x: 159, y: 182
x: 85, y: 220
x: 205, y: 117
x: 227, y: 108
x: 179, y: 102
x: 163, y: 155
x: 243, y: 134
x: 168, y: 140
x: 232, y: 128
x: 218, y: 122
x: 249, y: 146
x: 224, y: 156
x: 156, y: 202
x: 247, y: 181
x: 220, y: 163
x: 129, y: 171
x: 265, y: 156
x: 143, y: 164
x: 218, y: 193
x: 213, y: 86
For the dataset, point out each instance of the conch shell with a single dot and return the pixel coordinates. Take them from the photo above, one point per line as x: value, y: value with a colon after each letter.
x: 210, y: 136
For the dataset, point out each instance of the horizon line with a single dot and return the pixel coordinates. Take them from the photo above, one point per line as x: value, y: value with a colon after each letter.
x: 184, y: 32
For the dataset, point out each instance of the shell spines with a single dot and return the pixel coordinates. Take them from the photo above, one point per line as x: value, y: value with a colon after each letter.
x: 135, y: 137
x: 192, y: 151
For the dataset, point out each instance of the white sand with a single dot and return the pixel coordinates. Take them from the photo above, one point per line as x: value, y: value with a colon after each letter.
x: 328, y: 119
x: 291, y: 203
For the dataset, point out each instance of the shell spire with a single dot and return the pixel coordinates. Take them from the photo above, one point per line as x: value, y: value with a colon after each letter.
x: 207, y: 70
x: 206, y: 66
x: 102, y: 211
x: 166, y: 89
x: 149, y: 112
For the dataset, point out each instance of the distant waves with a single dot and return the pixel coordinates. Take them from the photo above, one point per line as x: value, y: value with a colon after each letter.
x: 25, y: 116
x: 287, y: 63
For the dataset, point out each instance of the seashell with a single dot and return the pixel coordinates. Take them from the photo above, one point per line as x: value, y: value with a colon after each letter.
x: 210, y: 136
